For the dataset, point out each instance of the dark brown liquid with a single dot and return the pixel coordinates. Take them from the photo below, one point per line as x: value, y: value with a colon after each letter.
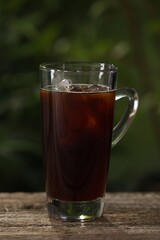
x: 77, y: 128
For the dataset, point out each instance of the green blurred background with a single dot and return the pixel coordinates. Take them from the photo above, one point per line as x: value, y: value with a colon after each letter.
x: 123, y: 32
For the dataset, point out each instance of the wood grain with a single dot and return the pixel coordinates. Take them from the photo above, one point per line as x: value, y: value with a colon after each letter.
x: 126, y: 216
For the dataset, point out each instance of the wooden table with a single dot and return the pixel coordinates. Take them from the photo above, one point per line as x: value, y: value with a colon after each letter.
x: 126, y: 216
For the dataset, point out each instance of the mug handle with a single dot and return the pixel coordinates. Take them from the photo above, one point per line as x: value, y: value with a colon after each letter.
x: 120, y: 129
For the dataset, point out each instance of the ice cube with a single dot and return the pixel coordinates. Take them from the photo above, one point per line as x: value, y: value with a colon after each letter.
x: 64, y: 85
x: 97, y: 88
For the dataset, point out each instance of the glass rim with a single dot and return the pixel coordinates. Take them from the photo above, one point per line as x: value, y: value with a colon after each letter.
x: 74, y: 66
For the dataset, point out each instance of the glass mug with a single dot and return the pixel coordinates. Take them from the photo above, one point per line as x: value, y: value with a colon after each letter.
x: 78, y: 101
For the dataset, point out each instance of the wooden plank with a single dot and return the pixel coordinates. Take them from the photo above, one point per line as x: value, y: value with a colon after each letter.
x: 126, y: 216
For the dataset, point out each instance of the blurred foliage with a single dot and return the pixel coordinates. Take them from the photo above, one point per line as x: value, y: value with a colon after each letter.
x: 126, y: 33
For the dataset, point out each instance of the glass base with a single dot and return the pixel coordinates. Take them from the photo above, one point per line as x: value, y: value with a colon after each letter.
x: 75, y: 211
